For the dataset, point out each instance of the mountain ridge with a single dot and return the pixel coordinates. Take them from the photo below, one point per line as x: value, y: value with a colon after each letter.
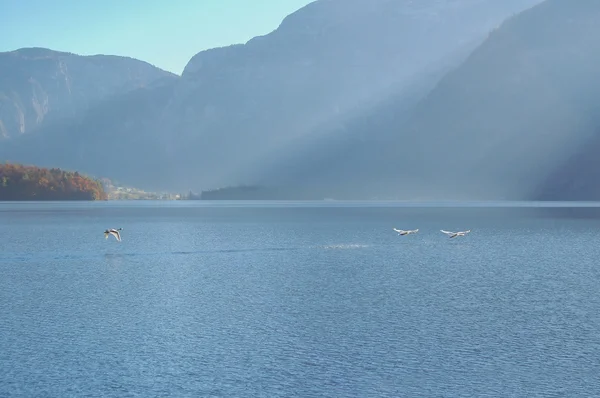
x: 238, y: 109
x: 41, y: 84
x: 517, y: 120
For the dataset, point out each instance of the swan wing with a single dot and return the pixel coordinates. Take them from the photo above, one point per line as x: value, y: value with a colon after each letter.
x: 116, y: 234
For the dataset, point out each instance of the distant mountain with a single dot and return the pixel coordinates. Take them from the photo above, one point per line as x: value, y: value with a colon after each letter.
x: 519, y: 119
x: 238, y: 111
x: 38, y: 85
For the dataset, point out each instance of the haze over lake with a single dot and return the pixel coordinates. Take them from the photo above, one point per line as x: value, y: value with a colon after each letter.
x: 299, y: 299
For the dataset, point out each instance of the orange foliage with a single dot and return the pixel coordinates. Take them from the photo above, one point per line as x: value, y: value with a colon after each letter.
x: 19, y: 182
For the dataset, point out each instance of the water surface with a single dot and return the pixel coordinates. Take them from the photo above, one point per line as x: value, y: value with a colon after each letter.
x: 299, y: 299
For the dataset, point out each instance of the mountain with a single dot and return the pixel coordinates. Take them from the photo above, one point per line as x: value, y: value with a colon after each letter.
x: 38, y: 85
x: 237, y: 111
x: 519, y: 119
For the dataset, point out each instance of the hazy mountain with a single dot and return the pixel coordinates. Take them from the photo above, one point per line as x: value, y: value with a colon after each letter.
x: 238, y: 111
x: 38, y: 85
x: 519, y: 119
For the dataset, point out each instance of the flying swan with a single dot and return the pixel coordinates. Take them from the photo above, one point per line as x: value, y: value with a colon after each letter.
x: 403, y: 232
x: 113, y: 232
x: 455, y: 234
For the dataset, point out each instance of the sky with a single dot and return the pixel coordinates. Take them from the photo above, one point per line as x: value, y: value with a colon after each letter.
x: 165, y: 33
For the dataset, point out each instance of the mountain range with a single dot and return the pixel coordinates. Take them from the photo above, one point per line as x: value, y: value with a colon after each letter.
x: 516, y: 120
x: 429, y: 99
x: 38, y: 85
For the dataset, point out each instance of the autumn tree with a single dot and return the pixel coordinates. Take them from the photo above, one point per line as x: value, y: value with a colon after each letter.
x: 19, y: 182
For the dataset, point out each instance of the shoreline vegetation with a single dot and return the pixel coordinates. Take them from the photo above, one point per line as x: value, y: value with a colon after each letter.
x: 31, y: 183
x: 19, y: 182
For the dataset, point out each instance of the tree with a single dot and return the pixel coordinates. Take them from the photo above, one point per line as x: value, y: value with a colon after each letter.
x: 20, y: 182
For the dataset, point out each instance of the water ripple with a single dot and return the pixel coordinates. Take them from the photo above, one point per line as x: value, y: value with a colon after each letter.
x: 293, y: 303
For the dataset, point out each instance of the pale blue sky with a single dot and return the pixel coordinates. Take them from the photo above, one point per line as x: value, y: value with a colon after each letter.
x: 166, y: 33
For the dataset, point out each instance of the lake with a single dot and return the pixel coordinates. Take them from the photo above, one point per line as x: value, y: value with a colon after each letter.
x: 306, y: 299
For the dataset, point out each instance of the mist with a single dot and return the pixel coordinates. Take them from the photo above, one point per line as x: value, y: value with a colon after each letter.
x: 462, y: 99
x: 499, y: 126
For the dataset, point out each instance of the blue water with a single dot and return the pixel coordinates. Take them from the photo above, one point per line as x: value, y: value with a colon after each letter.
x: 299, y: 299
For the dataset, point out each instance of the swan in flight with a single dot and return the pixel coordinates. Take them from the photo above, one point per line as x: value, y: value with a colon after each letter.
x: 113, y: 232
x: 403, y: 232
x: 455, y: 234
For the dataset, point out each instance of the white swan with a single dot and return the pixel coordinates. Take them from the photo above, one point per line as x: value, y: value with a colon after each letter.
x: 408, y: 232
x: 455, y: 234
x: 113, y: 232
